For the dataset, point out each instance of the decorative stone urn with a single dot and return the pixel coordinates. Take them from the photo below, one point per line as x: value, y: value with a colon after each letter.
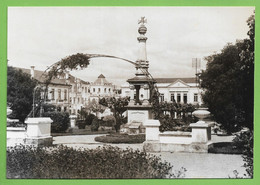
x: 201, y: 113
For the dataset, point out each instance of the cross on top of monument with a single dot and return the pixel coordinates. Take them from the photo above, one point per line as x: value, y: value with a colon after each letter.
x: 142, y: 20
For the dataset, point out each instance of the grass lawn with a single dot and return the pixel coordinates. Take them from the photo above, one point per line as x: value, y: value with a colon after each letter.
x: 121, y: 138
x: 85, y: 131
x: 225, y: 148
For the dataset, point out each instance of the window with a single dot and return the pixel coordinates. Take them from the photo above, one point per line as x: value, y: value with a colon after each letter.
x: 86, y: 89
x: 70, y: 100
x: 105, y: 90
x: 109, y: 89
x: 172, y: 98
x: 94, y: 89
x: 195, y: 97
x: 65, y: 109
x: 52, y: 94
x: 74, y: 100
x: 65, y: 94
x: 98, y: 90
x: 161, y: 97
x: 185, y: 99
x: 78, y: 100
x: 89, y: 90
x: 178, y: 97
x: 59, y: 94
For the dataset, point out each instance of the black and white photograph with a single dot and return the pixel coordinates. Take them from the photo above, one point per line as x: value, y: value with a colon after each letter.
x: 130, y: 92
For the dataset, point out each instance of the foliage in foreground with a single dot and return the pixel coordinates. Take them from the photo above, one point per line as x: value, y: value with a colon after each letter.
x: 121, y: 138
x: 102, y: 162
x: 244, y: 141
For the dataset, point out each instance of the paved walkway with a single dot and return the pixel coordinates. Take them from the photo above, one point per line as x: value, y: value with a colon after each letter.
x: 198, y: 165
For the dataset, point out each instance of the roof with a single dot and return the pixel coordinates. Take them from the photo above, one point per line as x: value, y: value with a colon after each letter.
x: 101, y: 76
x: 58, y: 81
x: 140, y: 80
x: 171, y: 80
x: 101, y: 80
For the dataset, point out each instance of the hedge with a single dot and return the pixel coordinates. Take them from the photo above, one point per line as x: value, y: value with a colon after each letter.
x: 103, y: 162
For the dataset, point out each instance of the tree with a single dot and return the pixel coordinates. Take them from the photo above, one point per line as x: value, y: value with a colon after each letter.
x: 95, y: 107
x: 118, y: 106
x: 20, y: 89
x: 229, y: 83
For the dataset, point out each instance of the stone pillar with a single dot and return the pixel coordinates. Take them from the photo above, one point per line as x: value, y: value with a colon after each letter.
x: 152, y: 143
x: 132, y: 93
x: 152, y: 130
x: 200, y: 132
x: 175, y: 96
x: 146, y: 95
x: 181, y: 97
x: 73, y: 121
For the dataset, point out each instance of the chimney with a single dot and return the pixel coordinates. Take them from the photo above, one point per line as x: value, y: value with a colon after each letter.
x: 66, y: 75
x: 32, y: 71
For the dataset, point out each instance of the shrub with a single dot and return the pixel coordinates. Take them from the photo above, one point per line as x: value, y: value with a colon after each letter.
x: 102, y: 162
x: 95, y: 124
x: 121, y: 138
x: 60, y: 122
x: 89, y: 119
x: 109, y: 121
x: 244, y: 141
x: 81, y: 124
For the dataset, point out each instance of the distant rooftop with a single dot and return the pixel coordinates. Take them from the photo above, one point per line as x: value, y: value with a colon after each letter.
x: 171, y: 80
x: 59, y: 81
x: 101, y: 80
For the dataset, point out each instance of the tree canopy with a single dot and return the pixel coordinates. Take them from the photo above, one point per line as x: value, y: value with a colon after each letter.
x: 20, y: 89
x: 229, y: 83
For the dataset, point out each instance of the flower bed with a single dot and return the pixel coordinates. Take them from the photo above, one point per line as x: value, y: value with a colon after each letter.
x: 121, y: 138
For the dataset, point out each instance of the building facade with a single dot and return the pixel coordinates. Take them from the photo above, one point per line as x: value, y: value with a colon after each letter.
x: 71, y: 94
x: 101, y: 88
x: 181, y: 90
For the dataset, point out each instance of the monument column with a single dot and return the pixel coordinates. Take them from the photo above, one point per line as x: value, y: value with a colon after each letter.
x: 146, y: 94
x: 132, y: 94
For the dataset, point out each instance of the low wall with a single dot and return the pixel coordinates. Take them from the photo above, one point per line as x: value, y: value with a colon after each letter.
x: 199, y: 140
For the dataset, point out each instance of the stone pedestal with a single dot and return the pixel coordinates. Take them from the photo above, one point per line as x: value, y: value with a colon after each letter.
x: 38, y: 132
x: 152, y: 130
x: 152, y: 143
x: 201, y: 132
x: 73, y: 121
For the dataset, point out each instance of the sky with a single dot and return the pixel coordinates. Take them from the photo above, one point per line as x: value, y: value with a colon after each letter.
x: 41, y: 36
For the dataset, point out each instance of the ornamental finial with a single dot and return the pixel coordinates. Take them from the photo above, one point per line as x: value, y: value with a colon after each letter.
x: 142, y: 20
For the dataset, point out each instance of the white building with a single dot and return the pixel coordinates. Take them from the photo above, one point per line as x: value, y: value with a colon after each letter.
x: 182, y: 90
x: 101, y: 88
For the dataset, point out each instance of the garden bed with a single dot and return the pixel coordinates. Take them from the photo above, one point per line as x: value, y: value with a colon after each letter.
x: 121, y: 138
x: 225, y: 148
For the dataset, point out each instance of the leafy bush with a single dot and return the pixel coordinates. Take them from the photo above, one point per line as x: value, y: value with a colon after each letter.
x: 170, y: 124
x: 60, y: 122
x: 89, y: 119
x: 95, y: 124
x: 244, y: 141
x: 81, y: 124
x: 109, y: 121
x: 102, y: 162
x: 121, y: 138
